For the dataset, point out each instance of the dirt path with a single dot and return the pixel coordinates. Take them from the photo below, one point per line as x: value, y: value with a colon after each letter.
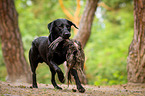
x: 19, y: 89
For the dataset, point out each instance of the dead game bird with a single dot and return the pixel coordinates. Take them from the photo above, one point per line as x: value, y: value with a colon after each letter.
x: 74, y: 56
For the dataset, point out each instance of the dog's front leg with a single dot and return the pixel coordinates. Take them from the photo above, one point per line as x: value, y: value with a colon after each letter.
x: 78, y: 83
x: 54, y: 66
x: 53, y: 79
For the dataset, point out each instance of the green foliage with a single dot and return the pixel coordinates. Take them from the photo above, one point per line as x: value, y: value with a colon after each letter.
x: 43, y: 76
x: 117, y: 3
x: 107, y: 49
x: 3, y: 71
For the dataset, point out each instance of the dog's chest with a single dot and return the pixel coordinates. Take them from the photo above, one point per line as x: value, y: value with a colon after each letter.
x: 60, y: 55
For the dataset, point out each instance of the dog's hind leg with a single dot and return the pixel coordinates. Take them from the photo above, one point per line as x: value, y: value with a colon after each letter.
x: 53, y: 79
x: 33, y: 64
x: 78, y: 83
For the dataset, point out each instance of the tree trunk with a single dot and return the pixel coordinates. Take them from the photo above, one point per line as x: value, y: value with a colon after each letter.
x: 85, y: 28
x: 12, y: 47
x: 86, y: 22
x: 136, y: 58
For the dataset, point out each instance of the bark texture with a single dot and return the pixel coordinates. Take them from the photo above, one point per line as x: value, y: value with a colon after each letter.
x: 85, y: 28
x: 86, y: 22
x: 12, y: 47
x: 136, y: 57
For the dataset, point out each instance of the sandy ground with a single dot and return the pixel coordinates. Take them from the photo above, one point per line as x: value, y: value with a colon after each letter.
x: 23, y: 89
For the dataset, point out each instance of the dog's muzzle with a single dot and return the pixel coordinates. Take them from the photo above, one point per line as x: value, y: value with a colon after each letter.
x: 66, y: 35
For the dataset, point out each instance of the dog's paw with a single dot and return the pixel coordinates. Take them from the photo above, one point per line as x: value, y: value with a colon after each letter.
x: 61, y: 77
x: 57, y: 87
x: 82, y: 90
x: 63, y: 80
x: 35, y: 86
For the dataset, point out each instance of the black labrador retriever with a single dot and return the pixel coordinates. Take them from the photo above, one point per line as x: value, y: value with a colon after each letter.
x: 39, y: 52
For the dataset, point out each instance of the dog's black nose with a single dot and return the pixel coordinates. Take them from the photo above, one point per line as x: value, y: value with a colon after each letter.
x: 67, y: 35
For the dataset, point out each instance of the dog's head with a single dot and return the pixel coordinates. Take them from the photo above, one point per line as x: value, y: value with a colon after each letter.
x: 60, y: 27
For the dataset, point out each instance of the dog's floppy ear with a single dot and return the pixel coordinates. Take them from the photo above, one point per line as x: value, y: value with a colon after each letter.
x: 71, y: 23
x: 50, y: 26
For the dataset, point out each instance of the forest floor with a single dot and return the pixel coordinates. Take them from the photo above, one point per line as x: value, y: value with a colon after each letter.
x: 23, y: 89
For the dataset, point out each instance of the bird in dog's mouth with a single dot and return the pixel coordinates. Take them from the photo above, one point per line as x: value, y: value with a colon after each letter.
x: 74, y: 57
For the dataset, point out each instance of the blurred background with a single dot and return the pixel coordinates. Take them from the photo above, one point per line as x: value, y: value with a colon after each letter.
x: 107, y: 48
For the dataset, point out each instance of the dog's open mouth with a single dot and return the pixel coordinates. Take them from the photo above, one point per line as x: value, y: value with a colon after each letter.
x: 66, y: 37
